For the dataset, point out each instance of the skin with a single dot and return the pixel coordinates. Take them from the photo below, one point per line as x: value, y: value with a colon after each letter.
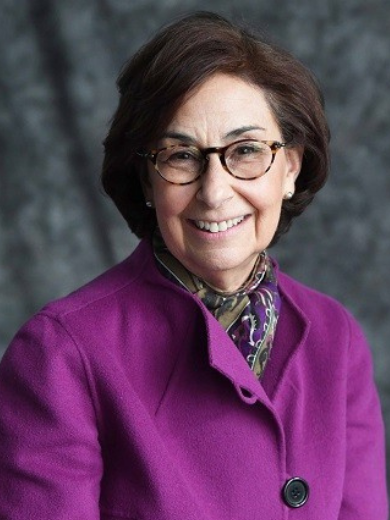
x: 218, y: 113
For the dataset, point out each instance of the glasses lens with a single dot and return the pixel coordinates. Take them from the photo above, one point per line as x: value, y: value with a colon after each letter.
x: 248, y: 159
x: 179, y: 164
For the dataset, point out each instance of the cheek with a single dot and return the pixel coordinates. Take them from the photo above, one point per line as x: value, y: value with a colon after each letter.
x: 171, y: 201
x: 266, y: 197
x: 169, y: 212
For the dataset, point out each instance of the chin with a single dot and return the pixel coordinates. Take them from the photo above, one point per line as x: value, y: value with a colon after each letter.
x: 218, y: 267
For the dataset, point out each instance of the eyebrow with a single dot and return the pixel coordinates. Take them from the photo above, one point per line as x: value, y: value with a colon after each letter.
x: 177, y: 135
x: 238, y: 131
x: 185, y: 138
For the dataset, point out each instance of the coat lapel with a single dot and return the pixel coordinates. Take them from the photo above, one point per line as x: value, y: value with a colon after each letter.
x: 291, y: 335
x: 228, y: 360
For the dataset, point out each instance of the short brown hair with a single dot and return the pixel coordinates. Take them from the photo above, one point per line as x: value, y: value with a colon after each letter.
x: 181, y: 57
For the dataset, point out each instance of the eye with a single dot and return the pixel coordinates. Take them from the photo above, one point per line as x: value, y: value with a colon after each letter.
x: 245, y: 151
x: 248, y: 148
x: 179, y: 156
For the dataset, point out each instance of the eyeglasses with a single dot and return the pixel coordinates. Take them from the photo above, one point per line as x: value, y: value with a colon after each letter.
x: 183, y: 164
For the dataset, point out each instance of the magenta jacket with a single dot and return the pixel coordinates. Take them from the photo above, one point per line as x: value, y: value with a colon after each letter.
x: 127, y: 400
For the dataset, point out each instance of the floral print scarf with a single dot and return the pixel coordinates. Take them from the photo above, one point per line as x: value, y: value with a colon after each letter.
x: 249, y: 315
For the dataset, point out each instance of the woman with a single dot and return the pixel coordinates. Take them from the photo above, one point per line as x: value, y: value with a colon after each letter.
x: 195, y: 380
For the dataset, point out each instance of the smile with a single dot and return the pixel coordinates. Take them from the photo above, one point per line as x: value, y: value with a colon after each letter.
x: 215, y: 227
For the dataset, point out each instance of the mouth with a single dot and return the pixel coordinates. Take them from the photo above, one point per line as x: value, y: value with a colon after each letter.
x: 216, y: 227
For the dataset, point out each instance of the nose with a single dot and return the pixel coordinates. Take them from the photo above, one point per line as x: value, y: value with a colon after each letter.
x: 215, y: 183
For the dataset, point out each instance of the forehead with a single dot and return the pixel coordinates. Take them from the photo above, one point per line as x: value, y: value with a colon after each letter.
x: 221, y: 103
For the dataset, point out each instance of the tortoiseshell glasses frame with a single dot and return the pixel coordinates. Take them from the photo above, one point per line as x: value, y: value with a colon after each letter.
x: 184, y: 164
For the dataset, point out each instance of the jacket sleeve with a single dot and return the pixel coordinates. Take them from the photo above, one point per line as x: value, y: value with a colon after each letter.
x: 50, y: 461
x: 365, y: 494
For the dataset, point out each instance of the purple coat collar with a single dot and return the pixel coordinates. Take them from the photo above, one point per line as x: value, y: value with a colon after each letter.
x: 292, y: 331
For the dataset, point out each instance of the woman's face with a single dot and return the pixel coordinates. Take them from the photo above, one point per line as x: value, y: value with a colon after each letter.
x: 223, y: 110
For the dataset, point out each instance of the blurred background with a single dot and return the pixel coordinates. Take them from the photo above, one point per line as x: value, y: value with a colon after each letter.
x: 59, y: 60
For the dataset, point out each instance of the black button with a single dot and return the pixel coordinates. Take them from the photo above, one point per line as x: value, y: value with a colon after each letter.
x: 296, y: 492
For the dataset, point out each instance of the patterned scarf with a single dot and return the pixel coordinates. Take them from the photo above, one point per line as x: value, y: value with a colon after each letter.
x: 248, y: 315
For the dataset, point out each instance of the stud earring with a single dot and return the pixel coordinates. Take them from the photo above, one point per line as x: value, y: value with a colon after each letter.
x: 288, y: 195
x: 149, y: 204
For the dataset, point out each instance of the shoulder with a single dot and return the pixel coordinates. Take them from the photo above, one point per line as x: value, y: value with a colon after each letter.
x: 98, y: 312
x: 330, y: 331
x: 134, y: 287
x: 104, y: 289
x: 310, y: 300
x: 324, y: 312
x: 121, y: 307
x: 325, y: 329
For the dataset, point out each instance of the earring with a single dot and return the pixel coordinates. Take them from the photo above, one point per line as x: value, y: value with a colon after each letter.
x: 149, y: 204
x: 288, y: 195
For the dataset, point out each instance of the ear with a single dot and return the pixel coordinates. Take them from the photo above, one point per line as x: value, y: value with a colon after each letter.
x: 293, y: 167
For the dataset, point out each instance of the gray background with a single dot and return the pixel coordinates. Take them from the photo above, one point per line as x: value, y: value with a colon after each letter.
x: 58, y: 65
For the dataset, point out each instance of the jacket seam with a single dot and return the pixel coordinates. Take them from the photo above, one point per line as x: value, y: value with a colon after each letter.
x: 46, y: 310
x: 178, y: 356
x: 83, y: 364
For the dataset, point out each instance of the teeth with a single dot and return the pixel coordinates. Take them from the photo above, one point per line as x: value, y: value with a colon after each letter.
x: 215, y: 227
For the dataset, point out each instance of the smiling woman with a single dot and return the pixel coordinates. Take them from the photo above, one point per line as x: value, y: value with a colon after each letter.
x: 223, y: 111
x: 195, y: 380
